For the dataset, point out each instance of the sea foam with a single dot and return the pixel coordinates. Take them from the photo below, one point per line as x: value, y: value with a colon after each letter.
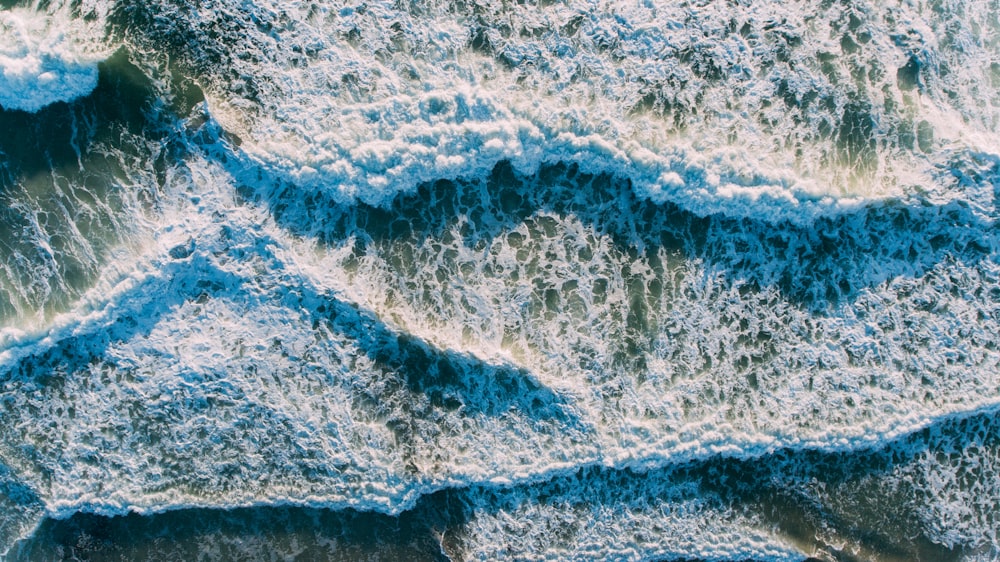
x: 527, y: 254
x: 450, y: 356
x: 47, y: 57
x: 784, y: 112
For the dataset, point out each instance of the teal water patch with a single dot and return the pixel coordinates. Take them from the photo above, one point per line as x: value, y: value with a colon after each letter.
x: 21, y: 506
x: 279, y: 533
x: 825, y: 263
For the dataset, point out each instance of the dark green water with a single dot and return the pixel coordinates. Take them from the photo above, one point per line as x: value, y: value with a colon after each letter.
x: 76, y: 180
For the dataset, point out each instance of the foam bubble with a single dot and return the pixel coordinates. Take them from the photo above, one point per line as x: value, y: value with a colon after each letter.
x: 47, y: 57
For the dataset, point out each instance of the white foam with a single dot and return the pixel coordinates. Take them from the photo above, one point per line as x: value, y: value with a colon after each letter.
x: 655, y: 519
x: 234, y: 363
x: 47, y: 57
x: 219, y: 324
x: 387, y: 99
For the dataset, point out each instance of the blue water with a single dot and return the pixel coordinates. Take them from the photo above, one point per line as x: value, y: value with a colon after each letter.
x: 557, y: 280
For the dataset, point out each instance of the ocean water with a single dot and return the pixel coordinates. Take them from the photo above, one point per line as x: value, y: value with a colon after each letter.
x: 482, y: 280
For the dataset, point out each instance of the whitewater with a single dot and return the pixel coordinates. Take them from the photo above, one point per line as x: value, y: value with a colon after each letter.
x: 479, y: 280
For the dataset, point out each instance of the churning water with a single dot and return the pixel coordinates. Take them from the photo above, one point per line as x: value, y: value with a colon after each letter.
x: 500, y: 280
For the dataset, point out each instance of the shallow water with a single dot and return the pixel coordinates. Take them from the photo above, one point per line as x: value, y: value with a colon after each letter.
x: 696, y: 281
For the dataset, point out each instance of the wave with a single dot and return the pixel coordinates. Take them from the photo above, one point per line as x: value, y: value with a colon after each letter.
x: 787, y: 505
x: 522, y: 258
x: 383, y: 367
x: 719, y: 110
